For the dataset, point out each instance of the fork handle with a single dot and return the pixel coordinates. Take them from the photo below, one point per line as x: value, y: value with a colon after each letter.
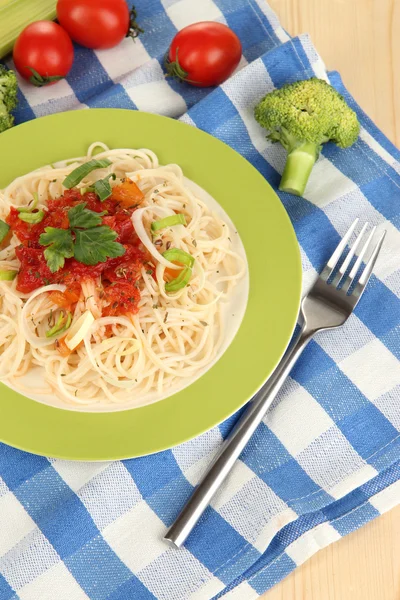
x: 234, y: 445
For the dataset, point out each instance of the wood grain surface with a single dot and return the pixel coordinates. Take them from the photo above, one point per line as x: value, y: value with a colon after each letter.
x: 361, y: 40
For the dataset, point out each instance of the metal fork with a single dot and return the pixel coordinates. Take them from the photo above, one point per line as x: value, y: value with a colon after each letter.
x: 327, y: 305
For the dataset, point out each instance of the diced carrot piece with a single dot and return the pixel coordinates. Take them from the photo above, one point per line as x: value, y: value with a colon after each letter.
x: 62, y: 347
x: 128, y: 194
x: 64, y: 299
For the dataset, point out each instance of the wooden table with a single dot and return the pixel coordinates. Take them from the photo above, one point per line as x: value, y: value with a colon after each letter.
x: 359, y: 38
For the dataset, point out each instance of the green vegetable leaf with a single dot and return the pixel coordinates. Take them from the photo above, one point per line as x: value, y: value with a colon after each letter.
x: 102, y: 187
x: 60, y: 246
x: 80, y: 216
x: 96, y: 245
x: 82, y: 171
x: 4, y: 229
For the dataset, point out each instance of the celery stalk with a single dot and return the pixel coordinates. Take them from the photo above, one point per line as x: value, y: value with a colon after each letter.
x: 15, y: 15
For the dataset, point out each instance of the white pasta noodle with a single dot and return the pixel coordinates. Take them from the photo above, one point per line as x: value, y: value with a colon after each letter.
x: 172, y: 336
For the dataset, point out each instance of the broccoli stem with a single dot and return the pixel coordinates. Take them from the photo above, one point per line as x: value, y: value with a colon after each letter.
x: 299, y: 164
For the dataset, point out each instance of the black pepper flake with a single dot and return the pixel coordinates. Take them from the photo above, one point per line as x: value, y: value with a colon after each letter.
x: 194, y: 243
x: 115, y: 304
x: 166, y: 317
x: 204, y: 323
x: 229, y: 239
x: 168, y: 246
x: 57, y: 344
x: 155, y: 306
x: 156, y: 191
x: 149, y: 272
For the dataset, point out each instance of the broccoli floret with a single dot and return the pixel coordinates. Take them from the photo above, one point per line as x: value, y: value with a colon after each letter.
x: 8, y: 97
x: 302, y: 116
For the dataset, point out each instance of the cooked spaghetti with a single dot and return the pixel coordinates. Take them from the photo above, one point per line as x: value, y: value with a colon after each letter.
x: 113, y: 275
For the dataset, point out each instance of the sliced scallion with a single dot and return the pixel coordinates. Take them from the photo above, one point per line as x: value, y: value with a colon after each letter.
x: 82, y: 171
x: 8, y: 275
x: 85, y: 190
x: 179, y: 256
x: 4, y: 229
x: 63, y: 323
x: 31, y: 206
x: 179, y: 282
x: 32, y: 217
x: 102, y: 187
x: 168, y: 222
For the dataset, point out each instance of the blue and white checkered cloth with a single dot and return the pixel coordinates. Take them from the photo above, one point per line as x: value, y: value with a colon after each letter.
x: 327, y: 458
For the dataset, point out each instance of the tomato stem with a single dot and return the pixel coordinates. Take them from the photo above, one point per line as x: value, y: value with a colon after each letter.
x: 174, y: 68
x: 134, y: 28
x: 40, y: 80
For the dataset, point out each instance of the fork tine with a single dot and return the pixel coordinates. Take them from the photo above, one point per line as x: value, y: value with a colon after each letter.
x: 350, y: 255
x: 366, y: 274
x: 332, y: 262
x: 351, y: 276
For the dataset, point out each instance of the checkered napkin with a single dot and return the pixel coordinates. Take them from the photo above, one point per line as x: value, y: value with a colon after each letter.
x: 325, y: 461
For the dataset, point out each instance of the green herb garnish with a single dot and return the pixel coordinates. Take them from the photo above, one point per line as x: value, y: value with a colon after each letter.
x: 32, y: 217
x: 179, y: 282
x: 4, y: 229
x: 102, y: 187
x: 62, y: 324
x: 179, y: 256
x: 96, y: 244
x: 82, y: 171
x: 31, y: 206
x: 8, y: 275
x: 168, y: 222
x: 86, y: 240
x: 60, y: 246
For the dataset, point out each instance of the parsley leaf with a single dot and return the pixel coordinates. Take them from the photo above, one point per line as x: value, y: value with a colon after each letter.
x: 60, y: 247
x: 80, y: 216
x: 102, y: 187
x: 96, y: 245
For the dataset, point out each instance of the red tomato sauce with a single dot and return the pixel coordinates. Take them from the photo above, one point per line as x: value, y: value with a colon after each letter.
x: 120, y: 276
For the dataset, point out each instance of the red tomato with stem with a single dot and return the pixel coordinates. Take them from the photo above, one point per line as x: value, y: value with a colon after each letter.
x: 204, y: 54
x: 43, y: 53
x: 97, y: 24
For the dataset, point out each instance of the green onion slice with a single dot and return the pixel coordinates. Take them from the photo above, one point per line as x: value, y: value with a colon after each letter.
x: 82, y: 171
x: 179, y: 282
x: 8, y: 275
x: 179, y: 256
x: 31, y: 206
x: 63, y: 323
x: 85, y: 190
x: 102, y: 187
x: 168, y: 222
x: 32, y: 217
x: 4, y: 229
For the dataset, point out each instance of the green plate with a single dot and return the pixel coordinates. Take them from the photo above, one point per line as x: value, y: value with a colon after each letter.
x: 275, y: 285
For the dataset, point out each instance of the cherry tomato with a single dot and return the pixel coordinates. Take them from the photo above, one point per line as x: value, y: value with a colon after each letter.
x: 43, y: 53
x: 97, y: 24
x: 204, y: 54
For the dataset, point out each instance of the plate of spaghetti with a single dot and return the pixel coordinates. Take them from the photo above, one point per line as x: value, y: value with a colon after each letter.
x: 149, y: 283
